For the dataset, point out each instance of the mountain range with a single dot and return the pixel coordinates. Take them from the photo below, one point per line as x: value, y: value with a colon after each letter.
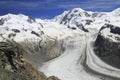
x: 75, y: 45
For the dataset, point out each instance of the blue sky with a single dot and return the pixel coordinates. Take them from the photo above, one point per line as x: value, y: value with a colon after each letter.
x: 51, y: 8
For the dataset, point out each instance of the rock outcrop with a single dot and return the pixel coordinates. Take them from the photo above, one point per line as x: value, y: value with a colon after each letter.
x: 14, y: 66
x: 107, y: 45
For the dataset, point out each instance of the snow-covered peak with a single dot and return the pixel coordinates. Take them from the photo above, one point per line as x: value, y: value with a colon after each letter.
x: 17, y: 21
x: 84, y: 20
x: 60, y: 17
x: 17, y: 26
x: 74, y: 19
x: 116, y: 12
x: 11, y: 16
x: 75, y: 12
x: 78, y: 18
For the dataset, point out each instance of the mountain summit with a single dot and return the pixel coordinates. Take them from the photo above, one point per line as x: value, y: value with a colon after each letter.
x: 81, y: 19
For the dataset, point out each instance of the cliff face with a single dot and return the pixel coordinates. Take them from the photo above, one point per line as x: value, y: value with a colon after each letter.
x: 13, y: 65
x: 107, y: 45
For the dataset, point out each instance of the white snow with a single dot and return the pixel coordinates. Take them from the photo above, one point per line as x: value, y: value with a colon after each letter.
x: 20, y: 23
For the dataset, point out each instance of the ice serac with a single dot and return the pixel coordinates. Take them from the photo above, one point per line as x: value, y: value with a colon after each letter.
x: 107, y: 45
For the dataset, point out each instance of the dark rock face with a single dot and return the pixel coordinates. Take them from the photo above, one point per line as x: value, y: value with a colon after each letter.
x: 1, y: 21
x: 114, y: 29
x: 107, y: 49
x: 88, y: 22
x: 33, y: 32
x: 11, y: 35
x: 73, y: 28
x: 16, y: 30
x: 31, y: 20
x: 84, y: 29
x: 81, y: 26
x: 97, y: 14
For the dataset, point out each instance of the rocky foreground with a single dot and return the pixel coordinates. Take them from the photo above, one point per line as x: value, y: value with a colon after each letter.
x: 14, y: 66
